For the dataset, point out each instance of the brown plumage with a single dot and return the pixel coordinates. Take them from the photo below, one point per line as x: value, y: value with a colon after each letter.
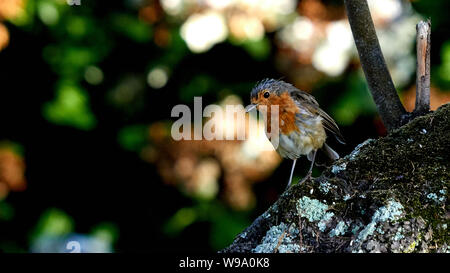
x: 302, y: 124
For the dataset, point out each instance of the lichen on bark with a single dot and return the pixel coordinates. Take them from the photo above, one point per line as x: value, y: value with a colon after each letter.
x: 388, y: 195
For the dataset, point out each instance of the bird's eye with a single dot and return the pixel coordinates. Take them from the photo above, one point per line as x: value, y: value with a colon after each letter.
x: 266, y: 95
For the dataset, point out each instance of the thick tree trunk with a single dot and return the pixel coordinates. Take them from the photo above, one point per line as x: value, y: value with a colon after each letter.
x: 388, y: 195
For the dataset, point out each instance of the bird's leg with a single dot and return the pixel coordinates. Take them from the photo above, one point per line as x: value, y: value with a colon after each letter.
x: 292, y: 172
x: 308, y: 175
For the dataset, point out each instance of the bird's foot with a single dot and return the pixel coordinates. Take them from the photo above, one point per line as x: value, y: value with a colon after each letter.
x: 308, y: 176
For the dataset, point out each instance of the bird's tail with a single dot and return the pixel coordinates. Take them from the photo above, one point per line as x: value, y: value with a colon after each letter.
x: 332, y: 154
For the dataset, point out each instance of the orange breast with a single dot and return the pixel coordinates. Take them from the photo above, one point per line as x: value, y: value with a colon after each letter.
x: 287, y: 111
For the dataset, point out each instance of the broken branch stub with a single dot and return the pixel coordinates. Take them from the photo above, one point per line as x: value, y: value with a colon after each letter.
x: 423, y: 67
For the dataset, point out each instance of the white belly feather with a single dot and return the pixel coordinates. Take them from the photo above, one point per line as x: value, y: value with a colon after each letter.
x: 310, y: 137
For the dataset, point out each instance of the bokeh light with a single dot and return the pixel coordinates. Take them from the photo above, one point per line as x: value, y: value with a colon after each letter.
x: 202, y: 31
x: 157, y: 77
x: 12, y: 170
x: 93, y: 75
x: 4, y: 36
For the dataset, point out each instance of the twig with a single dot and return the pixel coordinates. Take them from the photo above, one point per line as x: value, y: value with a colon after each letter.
x: 300, y: 233
x: 423, y: 67
x: 373, y: 64
x: 279, y: 241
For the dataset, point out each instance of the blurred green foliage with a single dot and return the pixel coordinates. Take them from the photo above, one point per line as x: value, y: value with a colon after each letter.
x: 54, y: 222
x: 131, y: 27
x: 225, y: 223
x: 133, y: 138
x: 355, y: 101
x: 6, y: 211
x: 258, y: 49
x: 444, y: 68
x: 70, y: 107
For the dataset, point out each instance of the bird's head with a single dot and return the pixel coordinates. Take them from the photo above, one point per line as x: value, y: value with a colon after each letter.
x: 269, y: 92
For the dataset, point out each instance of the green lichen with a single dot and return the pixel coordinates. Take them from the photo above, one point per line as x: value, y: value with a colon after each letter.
x: 279, y: 238
x: 368, y: 230
x: 390, y: 212
x: 325, y: 187
x: 312, y: 209
x: 399, y: 234
x: 338, y: 168
x: 324, y: 221
x: 340, y: 229
x: 356, y: 228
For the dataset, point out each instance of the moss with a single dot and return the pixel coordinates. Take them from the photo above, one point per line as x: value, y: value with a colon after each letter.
x: 411, y: 247
x: 411, y: 164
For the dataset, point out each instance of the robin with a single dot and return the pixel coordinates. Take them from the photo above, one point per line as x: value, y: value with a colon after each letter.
x: 302, y: 124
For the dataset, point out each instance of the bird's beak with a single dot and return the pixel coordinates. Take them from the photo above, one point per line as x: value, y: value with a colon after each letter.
x: 250, y: 107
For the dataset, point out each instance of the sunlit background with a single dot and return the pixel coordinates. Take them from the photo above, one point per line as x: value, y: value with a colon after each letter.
x: 86, y: 94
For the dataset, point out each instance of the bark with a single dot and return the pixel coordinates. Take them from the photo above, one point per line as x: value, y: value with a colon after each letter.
x: 388, y: 195
x: 373, y: 64
x: 423, y: 67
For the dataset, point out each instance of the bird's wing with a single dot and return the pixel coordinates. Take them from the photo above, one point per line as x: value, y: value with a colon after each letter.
x: 331, y: 126
x: 307, y: 101
x: 304, y: 97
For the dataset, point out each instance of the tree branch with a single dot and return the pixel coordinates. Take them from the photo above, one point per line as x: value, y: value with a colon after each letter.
x: 373, y: 64
x: 374, y: 174
x: 423, y: 67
